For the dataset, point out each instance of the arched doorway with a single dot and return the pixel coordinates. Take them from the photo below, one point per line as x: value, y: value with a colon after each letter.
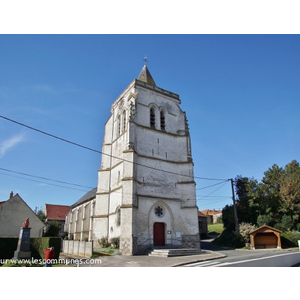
x: 159, y: 234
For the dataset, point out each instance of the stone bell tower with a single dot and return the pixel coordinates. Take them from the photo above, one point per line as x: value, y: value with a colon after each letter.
x: 146, y: 189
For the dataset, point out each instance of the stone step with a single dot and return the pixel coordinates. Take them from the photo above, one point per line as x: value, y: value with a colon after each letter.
x: 175, y: 252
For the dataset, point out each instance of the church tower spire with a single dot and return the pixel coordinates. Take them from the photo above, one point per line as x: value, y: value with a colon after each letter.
x: 146, y: 77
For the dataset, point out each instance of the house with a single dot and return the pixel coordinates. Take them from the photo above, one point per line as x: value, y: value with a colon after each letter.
x: 212, y: 215
x: 203, y: 229
x: 146, y: 192
x: 265, y: 237
x: 13, y: 213
x: 57, y: 213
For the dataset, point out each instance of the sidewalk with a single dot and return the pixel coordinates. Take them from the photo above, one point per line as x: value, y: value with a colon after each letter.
x: 145, y: 260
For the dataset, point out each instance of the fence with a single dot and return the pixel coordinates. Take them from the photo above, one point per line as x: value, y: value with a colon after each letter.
x: 78, y: 248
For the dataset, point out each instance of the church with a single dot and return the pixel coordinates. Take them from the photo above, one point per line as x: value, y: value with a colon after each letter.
x: 145, y: 194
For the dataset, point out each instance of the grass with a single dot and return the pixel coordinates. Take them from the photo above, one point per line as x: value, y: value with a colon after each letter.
x: 215, y: 229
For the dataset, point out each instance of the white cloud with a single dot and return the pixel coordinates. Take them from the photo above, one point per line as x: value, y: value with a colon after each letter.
x: 10, y: 143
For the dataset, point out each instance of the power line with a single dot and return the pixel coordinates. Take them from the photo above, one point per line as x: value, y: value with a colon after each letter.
x: 65, y: 187
x: 100, y: 152
x: 45, y: 178
x: 213, y: 191
x: 224, y: 197
x: 212, y: 185
x: 83, y: 186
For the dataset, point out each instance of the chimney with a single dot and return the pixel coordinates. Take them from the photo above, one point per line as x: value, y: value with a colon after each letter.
x: 11, y: 194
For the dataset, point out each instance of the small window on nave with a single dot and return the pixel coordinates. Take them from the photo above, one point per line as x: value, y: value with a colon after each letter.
x: 118, y: 213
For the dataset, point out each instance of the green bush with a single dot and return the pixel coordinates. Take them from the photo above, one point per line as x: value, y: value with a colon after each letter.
x: 290, y: 239
x: 104, y: 242
x: 229, y: 239
x: 37, y: 247
x: 52, y: 229
x: 244, y: 231
x: 286, y: 223
x: 115, y: 242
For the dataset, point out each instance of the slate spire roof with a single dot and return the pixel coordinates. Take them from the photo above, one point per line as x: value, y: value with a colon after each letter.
x: 145, y: 76
x: 88, y: 196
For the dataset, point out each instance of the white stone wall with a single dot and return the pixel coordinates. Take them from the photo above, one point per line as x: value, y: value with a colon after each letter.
x: 78, y: 222
x: 136, y: 190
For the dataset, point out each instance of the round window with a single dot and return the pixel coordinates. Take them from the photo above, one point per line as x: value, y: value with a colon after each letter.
x: 159, y: 211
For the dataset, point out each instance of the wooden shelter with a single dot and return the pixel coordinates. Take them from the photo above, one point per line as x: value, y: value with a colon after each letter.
x: 265, y: 237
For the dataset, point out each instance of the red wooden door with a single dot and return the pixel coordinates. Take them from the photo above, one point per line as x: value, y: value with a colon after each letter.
x: 159, y: 234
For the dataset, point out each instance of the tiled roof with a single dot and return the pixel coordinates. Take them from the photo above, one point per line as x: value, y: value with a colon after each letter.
x: 209, y: 212
x: 200, y: 214
x: 56, y: 212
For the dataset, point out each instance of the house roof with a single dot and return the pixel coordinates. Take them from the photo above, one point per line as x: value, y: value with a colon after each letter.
x: 209, y: 212
x: 88, y: 196
x: 200, y: 214
x: 264, y: 228
x: 17, y: 197
x: 56, y: 212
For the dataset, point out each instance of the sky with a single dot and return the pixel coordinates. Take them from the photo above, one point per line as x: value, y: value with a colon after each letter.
x: 240, y: 93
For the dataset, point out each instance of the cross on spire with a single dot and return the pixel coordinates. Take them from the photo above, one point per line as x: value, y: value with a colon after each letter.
x: 145, y: 59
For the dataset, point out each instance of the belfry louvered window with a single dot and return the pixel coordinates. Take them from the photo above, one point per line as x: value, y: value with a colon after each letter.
x: 152, y: 117
x: 162, y: 121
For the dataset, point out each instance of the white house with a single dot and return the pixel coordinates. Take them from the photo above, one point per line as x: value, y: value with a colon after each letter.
x: 146, y: 190
x: 13, y: 213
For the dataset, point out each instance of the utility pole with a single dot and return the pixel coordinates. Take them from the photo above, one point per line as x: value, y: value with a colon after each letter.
x: 234, y: 207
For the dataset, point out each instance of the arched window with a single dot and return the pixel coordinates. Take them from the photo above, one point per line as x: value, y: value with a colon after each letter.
x: 162, y: 120
x: 118, y: 213
x: 124, y: 120
x: 119, y: 125
x: 152, y: 117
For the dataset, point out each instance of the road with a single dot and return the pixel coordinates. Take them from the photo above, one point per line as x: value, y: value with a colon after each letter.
x: 234, y: 256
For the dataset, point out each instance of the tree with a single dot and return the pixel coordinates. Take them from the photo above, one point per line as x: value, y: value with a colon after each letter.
x: 245, y: 190
x: 40, y: 214
x: 228, y: 217
x: 270, y: 193
x: 290, y: 192
x: 52, y: 229
x: 264, y: 220
x: 273, y: 201
x: 286, y: 223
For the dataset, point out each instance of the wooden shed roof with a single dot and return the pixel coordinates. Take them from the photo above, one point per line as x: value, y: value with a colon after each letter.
x: 265, y: 228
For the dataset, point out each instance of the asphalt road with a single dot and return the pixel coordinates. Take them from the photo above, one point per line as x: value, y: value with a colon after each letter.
x: 237, y: 255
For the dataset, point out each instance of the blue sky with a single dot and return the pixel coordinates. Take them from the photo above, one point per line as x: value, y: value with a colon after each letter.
x: 240, y: 92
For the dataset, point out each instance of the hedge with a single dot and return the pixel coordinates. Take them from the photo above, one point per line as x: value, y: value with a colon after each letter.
x: 7, y: 247
x: 37, y: 247
x: 290, y: 239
